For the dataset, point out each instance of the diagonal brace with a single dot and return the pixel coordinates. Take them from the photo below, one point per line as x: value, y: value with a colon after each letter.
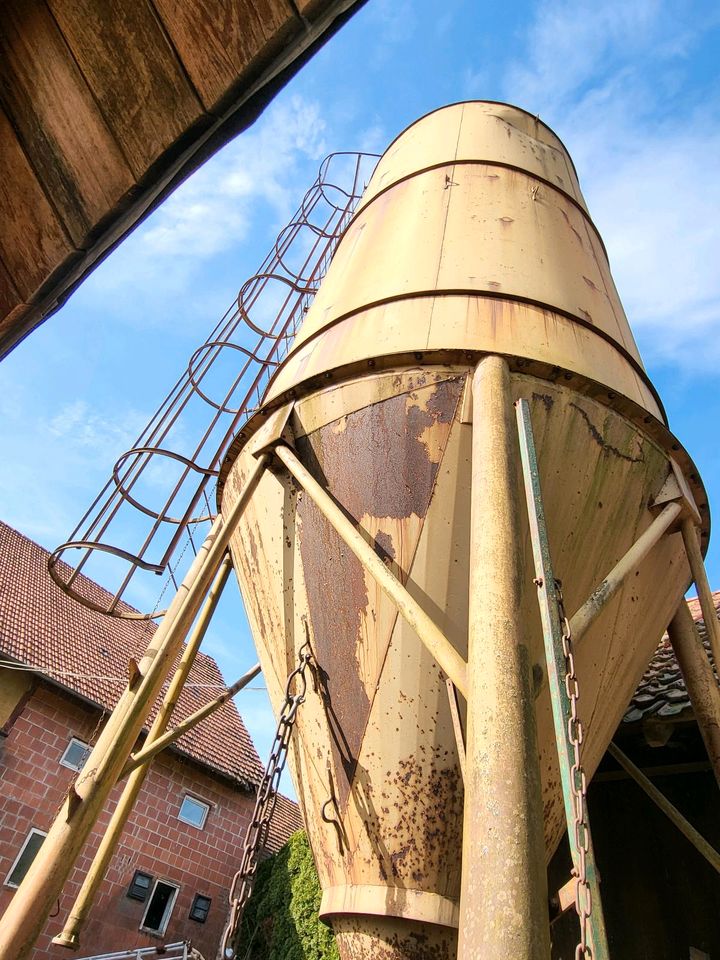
x: 581, y: 621
x: 430, y: 634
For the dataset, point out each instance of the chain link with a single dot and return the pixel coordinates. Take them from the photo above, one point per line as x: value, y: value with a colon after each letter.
x: 578, y: 786
x: 256, y: 837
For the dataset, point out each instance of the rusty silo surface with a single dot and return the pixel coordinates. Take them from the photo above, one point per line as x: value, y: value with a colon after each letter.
x: 472, y: 240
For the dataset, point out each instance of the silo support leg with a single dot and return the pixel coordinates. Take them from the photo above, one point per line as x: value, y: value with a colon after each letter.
x: 34, y: 899
x: 699, y: 574
x: 702, y: 687
x: 503, y: 902
x: 70, y: 934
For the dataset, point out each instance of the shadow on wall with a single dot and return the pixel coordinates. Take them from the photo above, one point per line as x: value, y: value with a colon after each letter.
x: 281, y: 919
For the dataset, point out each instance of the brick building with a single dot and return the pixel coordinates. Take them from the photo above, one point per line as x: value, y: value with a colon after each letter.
x: 170, y: 876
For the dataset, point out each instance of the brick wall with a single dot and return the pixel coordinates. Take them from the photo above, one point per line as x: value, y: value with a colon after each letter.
x: 32, y: 786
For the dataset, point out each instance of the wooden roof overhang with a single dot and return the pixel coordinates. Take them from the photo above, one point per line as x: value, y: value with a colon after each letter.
x: 106, y: 107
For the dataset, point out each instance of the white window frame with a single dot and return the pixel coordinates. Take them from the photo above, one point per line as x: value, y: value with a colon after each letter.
x: 63, y: 759
x: 201, y: 803
x: 33, y: 831
x: 168, y: 909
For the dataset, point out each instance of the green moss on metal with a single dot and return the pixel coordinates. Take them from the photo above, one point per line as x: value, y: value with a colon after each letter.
x: 281, y: 918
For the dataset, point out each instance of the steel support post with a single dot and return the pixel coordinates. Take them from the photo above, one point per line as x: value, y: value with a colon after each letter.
x: 503, y: 900
x: 581, y: 621
x: 572, y: 778
x: 36, y: 896
x: 707, y: 604
x: 151, y: 750
x: 702, y: 687
x: 70, y: 934
x: 430, y: 634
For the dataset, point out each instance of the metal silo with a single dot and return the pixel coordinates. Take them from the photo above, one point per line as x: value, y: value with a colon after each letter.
x: 392, y: 534
x: 459, y: 523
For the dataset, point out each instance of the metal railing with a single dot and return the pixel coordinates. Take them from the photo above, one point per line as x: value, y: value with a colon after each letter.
x: 170, y: 951
x: 158, y: 498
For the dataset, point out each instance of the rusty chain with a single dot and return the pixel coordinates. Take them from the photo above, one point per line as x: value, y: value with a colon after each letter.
x: 578, y: 785
x: 242, y: 882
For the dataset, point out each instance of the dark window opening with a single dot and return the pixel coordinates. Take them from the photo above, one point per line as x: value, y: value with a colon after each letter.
x: 159, y: 907
x: 200, y: 908
x: 139, y: 886
x: 29, y: 850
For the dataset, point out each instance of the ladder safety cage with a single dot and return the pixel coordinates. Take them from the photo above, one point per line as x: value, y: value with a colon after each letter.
x: 158, y: 498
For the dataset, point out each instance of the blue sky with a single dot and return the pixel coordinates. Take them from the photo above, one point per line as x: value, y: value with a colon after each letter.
x: 631, y: 88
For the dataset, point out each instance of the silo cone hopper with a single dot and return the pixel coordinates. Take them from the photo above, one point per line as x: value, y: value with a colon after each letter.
x: 463, y: 421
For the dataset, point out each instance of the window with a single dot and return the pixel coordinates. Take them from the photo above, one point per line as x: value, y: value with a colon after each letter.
x: 200, y: 908
x: 194, y: 812
x: 27, y: 854
x: 159, y: 908
x: 76, y: 753
x: 139, y: 886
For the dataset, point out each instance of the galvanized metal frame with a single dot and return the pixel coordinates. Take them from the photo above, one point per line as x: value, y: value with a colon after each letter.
x: 549, y: 602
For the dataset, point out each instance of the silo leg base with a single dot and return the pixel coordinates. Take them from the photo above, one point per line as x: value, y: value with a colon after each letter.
x: 391, y: 938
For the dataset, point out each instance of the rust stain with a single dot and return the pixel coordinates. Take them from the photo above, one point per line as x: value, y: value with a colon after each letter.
x: 607, y: 448
x: 545, y: 398
x: 384, y: 547
x: 379, y: 466
x: 389, y: 938
x: 414, y: 820
x: 337, y: 597
x: 567, y: 220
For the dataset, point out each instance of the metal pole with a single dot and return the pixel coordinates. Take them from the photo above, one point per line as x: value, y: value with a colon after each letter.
x: 670, y: 811
x: 699, y: 575
x: 151, y: 750
x: 700, y: 681
x: 593, y: 606
x: 436, y: 642
x: 34, y: 899
x: 562, y: 683
x: 503, y: 899
x: 70, y: 934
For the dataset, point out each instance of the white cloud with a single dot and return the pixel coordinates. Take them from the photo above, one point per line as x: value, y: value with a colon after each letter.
x: 90, y: 432
x: 212, y: 210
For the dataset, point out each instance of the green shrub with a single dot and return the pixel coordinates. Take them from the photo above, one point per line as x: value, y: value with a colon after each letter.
x: 281, y: 918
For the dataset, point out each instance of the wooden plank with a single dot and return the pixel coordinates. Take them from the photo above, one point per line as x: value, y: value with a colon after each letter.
x: 10, y: 300
x: 73, y: 152
x: 133, y: 72
x: 32, y: 240
x: 220, y: 40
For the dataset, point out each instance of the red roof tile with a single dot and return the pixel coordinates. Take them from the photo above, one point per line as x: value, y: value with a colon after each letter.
x: 286, y: 820
x: 42, y: 627
x: 661, y: 692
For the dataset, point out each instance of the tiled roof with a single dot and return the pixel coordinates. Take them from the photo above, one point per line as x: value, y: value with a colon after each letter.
x: 661, y: 692
x: 286, y: 820
x: 42, y: 627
